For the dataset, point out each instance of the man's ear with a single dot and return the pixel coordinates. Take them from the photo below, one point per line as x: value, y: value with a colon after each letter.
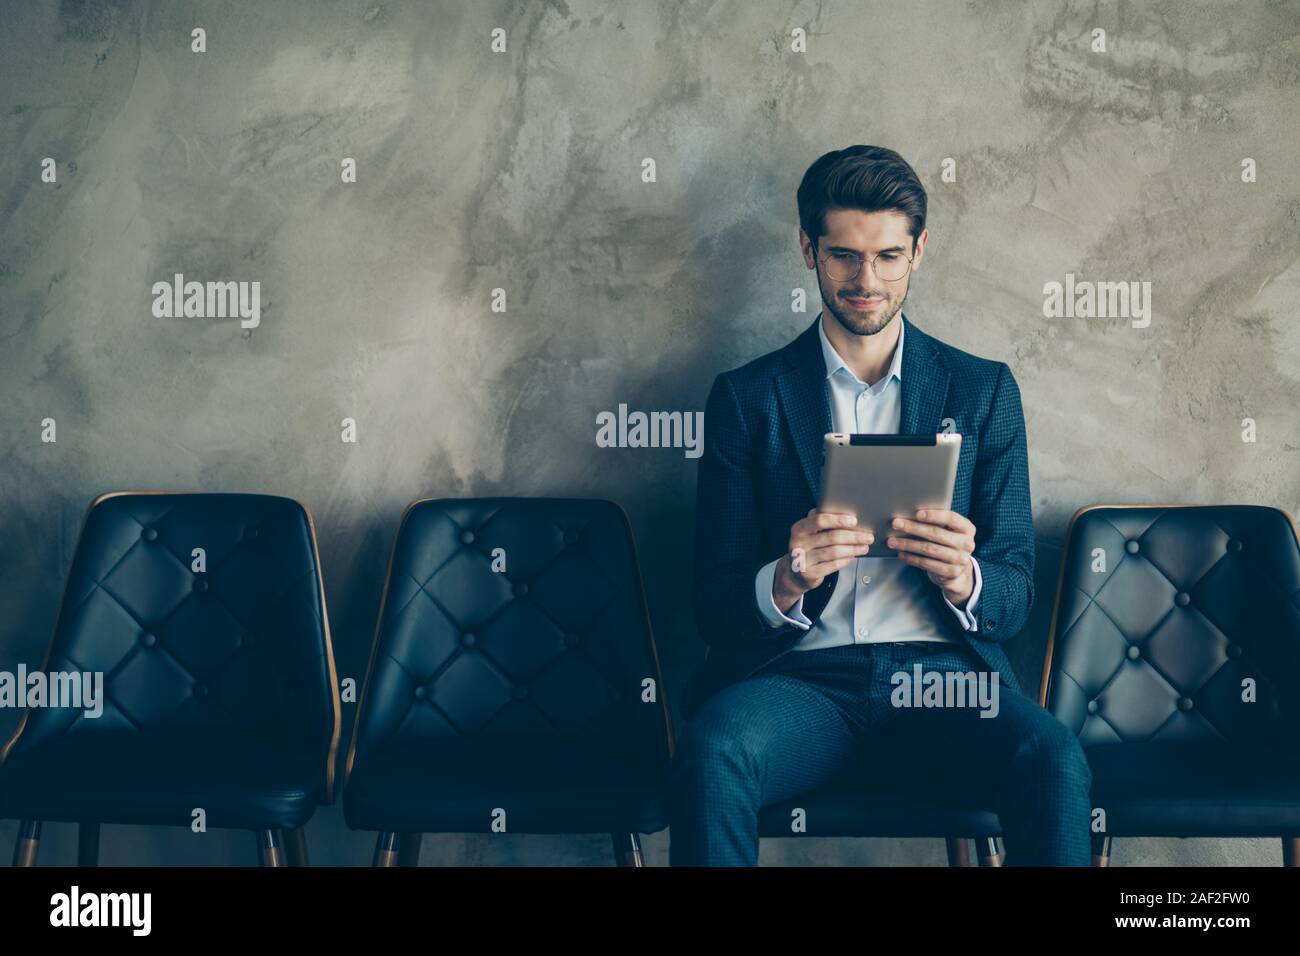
x: 919, y: 254
x: 808, y: 248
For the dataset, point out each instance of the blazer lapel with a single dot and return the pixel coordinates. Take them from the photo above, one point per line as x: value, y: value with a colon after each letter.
x: 925, y: 384
x: 805, y: 403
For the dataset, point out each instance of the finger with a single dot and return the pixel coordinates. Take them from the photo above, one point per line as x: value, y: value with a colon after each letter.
x: 830, y: 567
x: 835, y: 552
x: 939, y: 569
x: 837, y: 536
x: 933, y: 532
x: 830, y: 519
x: 949, y: 519
x: 928, y: 549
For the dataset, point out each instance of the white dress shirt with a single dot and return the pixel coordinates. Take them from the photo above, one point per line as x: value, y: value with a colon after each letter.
x: 876, y: 600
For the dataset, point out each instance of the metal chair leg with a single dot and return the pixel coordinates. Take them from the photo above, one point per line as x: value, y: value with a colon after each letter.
x: 270, y: 848
x: 28, y: 843
x: 386, y: 848
x: 990, y: 851
x: 88, y: 844
x: 408, y: 849
x: 1101, y: 851
x: 958, y: 851
x: 627, y: 849
x: 295, y: 847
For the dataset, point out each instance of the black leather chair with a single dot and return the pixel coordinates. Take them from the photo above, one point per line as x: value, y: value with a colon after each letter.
x: 1175, y: 655
x: 513, y: 684
x: 219, y: 689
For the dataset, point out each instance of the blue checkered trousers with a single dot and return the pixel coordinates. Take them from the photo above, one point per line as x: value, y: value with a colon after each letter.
x: 764, y: 724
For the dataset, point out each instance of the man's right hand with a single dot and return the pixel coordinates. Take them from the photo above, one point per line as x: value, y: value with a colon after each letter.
x: 824, y: 542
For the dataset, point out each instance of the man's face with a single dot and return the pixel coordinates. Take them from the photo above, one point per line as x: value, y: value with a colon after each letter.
x: 866, y: 303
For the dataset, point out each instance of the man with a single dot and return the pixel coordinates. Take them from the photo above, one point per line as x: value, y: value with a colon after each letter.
x: 807, y: 632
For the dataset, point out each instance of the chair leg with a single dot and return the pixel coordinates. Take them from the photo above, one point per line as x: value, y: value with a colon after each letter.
x: 270, y: 848
x: 408, y: 849
x: 958, y: 851
x: 627, y: 849
x: 990, y: 851
x: 1101, y: 851
x: 28, y: 844
x: 295, y: 847
x: 1291, y: 851
x: 88, y: 844
x: 386, y: 848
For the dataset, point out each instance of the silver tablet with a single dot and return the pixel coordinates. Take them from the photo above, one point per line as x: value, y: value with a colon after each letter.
x: 880, y: 477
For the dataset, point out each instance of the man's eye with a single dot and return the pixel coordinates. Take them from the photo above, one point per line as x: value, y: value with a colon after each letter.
x: 845, y: 256
x: 889, y: 257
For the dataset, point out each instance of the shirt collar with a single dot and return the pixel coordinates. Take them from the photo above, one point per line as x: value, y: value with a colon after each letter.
x: 834, y: 362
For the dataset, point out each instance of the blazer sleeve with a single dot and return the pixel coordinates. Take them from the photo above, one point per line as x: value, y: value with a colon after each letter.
x: 727, y: 540
x: 1002, y: 513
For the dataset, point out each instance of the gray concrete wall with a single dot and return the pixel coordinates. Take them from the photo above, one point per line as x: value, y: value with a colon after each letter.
x: 522, y: 171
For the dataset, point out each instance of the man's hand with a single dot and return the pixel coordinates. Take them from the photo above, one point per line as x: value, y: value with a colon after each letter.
x: 820, y: 544
x: 941, y: 547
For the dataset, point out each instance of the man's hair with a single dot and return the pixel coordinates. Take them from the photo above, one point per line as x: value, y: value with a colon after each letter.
x: 870, y: 178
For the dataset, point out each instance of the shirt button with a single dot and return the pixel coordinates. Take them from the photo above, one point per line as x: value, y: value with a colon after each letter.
x: 866, y: 579
x: 863, y: 632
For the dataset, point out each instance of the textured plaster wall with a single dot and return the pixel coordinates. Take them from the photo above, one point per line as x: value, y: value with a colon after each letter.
x: 522, y: 171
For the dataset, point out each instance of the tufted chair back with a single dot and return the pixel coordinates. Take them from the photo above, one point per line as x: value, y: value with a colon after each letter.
x: 1169, y: 619
x: 509, y: 619
x: 241, y: 644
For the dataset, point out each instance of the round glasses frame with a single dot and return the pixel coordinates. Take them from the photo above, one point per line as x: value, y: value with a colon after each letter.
x: 834, y: 273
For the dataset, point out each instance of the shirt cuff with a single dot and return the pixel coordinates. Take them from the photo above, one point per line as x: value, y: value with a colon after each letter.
x: 767, y: 605
x: 967, y: 615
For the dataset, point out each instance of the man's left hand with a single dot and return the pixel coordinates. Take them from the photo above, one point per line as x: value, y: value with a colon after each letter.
x: 941, y: 546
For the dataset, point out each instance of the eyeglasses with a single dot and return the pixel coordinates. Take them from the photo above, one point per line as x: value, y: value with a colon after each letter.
x: 888, y: 266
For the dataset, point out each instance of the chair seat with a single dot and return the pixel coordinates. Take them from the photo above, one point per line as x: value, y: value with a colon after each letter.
x: 1198, y: 788
x: 147, y: 777
x: 544, y: 785
x: 853, y: 808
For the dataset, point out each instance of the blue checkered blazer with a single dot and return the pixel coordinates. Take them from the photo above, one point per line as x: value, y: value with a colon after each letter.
x: 761, y: 470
